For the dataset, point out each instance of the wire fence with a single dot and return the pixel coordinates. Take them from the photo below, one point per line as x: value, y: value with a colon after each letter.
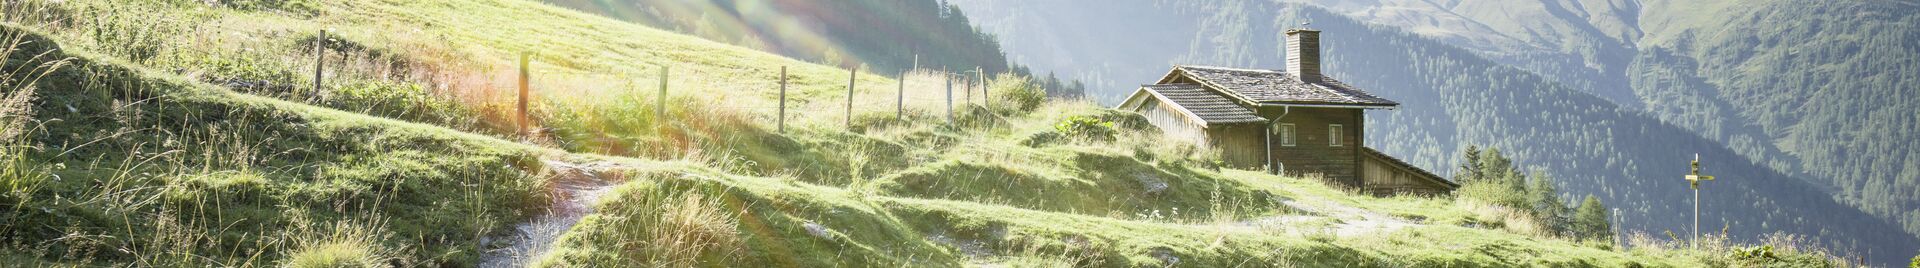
x: 911, y: 94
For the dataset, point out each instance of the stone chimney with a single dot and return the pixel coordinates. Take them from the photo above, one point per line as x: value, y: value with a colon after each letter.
x: 1303, y: 54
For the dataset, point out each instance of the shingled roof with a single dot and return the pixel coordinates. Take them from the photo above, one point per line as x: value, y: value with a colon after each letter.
x: 1211, y: 107
x: 1276, y: 87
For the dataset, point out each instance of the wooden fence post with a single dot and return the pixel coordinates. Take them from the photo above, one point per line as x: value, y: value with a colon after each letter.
x: 986, y: 99
x: 320, y: 60
x: 522, y: 115
x: 852, y: 75
x: 783, y: 100
x: 968, y: 85
x: 901, y: 107
x: 660, y: 103
x: 949, y: 78
x: 900, y: 99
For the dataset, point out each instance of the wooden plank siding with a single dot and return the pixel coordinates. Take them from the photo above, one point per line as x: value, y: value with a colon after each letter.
x: 1171, y: 121
x: 1313, y: 152
x: 1386, y: 176
x: 1240, y: 145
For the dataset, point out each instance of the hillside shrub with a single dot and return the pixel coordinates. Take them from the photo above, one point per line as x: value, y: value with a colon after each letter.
x: 1086, y: 128
x: 1019, y: 93
x: 133, y: 33
x: 1043, y: 139
x: 1493, y: 194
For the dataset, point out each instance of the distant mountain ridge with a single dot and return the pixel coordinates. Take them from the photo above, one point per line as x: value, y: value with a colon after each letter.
x: 889, y: 36
x: 1819, y: 87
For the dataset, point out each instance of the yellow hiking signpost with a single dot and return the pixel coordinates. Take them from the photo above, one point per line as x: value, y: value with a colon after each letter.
x: 1694, y: 178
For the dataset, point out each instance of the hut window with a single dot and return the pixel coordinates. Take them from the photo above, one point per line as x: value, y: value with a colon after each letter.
x: 1284, y: 132
x: 1333, y: 134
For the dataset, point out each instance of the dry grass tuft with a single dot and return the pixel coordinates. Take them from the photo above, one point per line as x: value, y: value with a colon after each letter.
x: 1505, y: 218
x: 693, y: 228
x: 348, y: 243
x: 654, y: 227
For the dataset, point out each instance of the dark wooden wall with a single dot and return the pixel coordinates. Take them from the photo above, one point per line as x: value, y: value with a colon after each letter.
x: 1312, y: 152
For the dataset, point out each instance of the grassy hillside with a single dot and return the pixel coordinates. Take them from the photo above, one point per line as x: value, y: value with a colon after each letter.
x: 204, y: 147
x: 119, y: 164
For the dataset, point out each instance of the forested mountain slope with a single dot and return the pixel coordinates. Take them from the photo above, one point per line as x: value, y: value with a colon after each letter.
x: 1834, y: 83
x: 1820, y: 87
x: 1462, y: 97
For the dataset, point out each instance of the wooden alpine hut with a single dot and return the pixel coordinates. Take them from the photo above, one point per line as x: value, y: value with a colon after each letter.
x: 1295, y: 121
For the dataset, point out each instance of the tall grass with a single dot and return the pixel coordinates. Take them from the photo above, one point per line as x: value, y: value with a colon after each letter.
x: 20, y: 175
x: 1771, y: 250
x: 655, y: 227
x: 18, y: 84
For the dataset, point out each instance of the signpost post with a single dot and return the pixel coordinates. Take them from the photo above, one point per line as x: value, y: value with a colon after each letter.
x: 1694, y: 178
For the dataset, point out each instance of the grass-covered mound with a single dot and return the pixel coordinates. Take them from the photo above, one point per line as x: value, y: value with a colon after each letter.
x: 119, y: 164
x: 1079, y: 181
x: 695, y: 216
x: 685, y: 214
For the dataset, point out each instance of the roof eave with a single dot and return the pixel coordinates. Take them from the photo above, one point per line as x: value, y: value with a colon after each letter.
x: 1332, y: 105
x: 1181, y: 71
x: 1182, y: 109
x: 1259, y: 122
x: 1132, y: 99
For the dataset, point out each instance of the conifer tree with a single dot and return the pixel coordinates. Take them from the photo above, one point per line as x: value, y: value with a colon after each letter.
x: 1494, y: 165
x: 1590, y: 220
x: 1489, y: 176
x: 1470, y: 167
x: 1545, y: 202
